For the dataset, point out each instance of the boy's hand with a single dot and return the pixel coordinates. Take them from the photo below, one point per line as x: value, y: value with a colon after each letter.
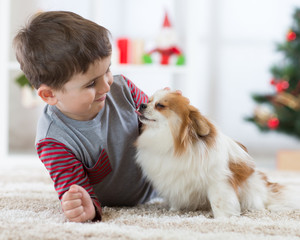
x: 78, y: 205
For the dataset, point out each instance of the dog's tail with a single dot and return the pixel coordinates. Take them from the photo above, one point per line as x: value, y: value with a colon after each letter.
x: 280, y: 197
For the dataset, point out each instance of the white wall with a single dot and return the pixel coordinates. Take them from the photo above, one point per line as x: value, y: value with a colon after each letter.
x: 248, y: 32
x: 4, y: 28
x: 233, y: 48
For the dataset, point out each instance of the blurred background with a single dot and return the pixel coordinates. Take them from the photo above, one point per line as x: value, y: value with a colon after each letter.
x: 222, y: 52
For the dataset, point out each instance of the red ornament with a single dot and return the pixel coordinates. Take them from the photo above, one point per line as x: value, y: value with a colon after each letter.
x: 291, y: 36
x: 273, y: 123
x: 285, y: 84
x: 282, y: 85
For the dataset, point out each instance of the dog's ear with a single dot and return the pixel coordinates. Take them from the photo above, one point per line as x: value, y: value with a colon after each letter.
x: 182, y: 140
x: 199, y: 124
x: 193, y: 127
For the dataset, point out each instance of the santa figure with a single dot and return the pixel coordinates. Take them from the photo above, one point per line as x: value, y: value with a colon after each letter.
x: 167, y: 44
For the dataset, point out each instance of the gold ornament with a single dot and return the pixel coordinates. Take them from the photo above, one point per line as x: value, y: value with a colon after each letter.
x: 288, y: 99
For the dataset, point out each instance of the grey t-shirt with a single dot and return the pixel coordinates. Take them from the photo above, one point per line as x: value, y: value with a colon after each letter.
x: 104, y: 146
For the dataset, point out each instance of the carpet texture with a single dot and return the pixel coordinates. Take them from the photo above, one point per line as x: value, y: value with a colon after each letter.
x: 29, y: 209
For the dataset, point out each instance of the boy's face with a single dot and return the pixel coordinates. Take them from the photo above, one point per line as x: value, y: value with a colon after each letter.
x: 83, y: 96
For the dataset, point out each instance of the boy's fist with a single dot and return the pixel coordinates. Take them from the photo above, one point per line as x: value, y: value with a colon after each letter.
x: 78, y: 205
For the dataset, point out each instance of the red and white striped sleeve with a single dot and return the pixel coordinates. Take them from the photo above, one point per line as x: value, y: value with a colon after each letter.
x: 138, y: 95
x: 65, y: 169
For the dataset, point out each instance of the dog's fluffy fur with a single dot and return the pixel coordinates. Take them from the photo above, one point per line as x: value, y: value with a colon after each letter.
x: 193, y: 165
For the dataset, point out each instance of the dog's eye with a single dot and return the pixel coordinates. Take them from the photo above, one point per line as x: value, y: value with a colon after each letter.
x: 160, y: 106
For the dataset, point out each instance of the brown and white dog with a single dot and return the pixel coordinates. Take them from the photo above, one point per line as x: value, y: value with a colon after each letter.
x: 193, y: 165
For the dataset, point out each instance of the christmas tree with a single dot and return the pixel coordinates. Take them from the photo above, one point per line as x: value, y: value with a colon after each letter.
x: 280, y: 110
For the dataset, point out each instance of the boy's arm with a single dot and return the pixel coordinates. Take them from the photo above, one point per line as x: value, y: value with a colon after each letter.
x: 138, y: 95
x: 65, y: 170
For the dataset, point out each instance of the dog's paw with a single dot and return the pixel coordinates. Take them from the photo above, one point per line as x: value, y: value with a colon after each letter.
x: 225, y: 214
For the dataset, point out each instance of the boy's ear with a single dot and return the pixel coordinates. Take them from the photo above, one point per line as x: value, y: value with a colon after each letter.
x: 46, y: 93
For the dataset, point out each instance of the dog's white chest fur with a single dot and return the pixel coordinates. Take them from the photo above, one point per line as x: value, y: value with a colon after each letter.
x: 181, y: 181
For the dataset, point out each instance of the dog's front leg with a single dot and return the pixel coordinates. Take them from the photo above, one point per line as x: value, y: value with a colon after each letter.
x: 223, y: 200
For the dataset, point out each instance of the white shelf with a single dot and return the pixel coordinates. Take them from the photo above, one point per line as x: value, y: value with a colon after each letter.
x: 149, y: 68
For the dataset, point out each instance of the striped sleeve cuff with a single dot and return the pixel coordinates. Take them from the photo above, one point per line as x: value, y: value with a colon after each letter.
x: 98, y: 209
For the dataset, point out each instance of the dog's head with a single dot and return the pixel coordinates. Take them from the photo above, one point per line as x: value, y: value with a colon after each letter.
x: 171, y: 109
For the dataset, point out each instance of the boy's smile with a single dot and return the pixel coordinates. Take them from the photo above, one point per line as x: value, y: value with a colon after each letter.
x: 83, y: 96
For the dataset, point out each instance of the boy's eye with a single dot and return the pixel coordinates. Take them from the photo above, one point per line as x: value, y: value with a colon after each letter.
x: 92, y: 84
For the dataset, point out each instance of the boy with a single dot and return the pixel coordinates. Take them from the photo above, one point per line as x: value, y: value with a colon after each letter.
x: 86, y: 133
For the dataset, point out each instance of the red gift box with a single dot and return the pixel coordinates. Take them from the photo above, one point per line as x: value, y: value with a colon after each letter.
x: 123, y: 46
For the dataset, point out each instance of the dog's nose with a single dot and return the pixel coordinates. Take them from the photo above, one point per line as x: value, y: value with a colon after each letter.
x: 143, y: 106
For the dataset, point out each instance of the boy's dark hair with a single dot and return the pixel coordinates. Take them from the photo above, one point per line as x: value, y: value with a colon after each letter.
x: 58, y: 44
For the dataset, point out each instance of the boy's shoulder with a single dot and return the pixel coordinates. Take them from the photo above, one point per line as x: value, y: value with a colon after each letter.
x: 120, y: 81
x: 121, y: 87
x: 45, y: 122
x: 128, y: 89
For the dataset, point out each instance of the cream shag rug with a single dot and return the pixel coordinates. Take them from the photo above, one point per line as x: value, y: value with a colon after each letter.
x: 29, y: 209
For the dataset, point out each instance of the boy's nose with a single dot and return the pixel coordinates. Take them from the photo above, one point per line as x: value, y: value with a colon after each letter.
x: 110, y: 79
x: 105, y: 86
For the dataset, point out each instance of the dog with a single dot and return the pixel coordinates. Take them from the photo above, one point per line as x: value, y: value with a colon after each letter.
x: 194, y: 166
